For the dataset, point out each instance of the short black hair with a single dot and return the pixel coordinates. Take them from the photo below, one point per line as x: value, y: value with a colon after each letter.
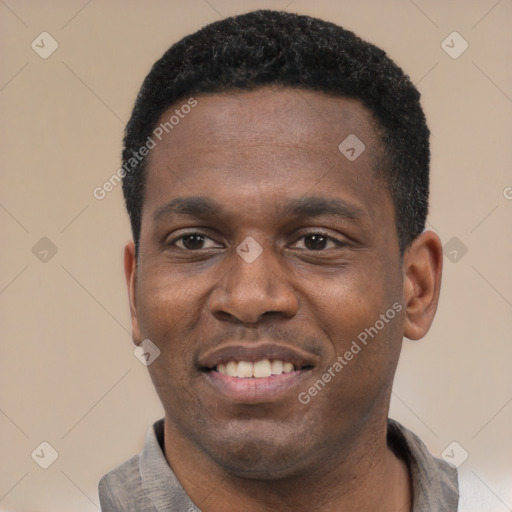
x: 267, y: 47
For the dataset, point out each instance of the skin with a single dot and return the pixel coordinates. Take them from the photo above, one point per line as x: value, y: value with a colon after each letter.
x: 252, y: 152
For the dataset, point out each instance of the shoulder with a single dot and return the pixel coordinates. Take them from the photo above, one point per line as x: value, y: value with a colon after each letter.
x: 127, y: 487
x: 121, y: 489
x: 434, y: 481
x: 145, y: 482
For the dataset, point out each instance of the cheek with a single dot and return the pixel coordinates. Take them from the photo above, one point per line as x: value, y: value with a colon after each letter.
x: 166, y: 302
x: 345, y: 303
x: 168, y: 314
x: 362, y: 316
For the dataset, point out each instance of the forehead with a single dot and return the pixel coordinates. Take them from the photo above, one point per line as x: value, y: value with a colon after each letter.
x: 275, y: 115
x: 266, y: 143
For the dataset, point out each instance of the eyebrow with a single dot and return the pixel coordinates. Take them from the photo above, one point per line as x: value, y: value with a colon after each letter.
x: 303, y: 207
x: 315, y: 206
x: 195, y: 206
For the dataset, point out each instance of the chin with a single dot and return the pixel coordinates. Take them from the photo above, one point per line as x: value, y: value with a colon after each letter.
x: 258, y: 453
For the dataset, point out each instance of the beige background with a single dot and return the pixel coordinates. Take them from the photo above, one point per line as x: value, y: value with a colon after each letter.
x: 68, y: 375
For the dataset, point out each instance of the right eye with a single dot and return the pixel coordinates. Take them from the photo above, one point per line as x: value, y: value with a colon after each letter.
x: 192, y: 241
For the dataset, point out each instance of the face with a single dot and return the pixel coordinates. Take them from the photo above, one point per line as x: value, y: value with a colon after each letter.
x: 265, y: 253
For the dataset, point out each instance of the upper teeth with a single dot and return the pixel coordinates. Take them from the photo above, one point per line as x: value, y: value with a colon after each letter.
x: 259, y: 369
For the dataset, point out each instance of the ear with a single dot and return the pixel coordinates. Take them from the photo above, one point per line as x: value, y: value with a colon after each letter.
x: 422, y: 268
x: 130, y: 272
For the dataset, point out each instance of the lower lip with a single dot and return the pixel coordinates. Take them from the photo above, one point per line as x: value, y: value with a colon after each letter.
x: 252, y: 390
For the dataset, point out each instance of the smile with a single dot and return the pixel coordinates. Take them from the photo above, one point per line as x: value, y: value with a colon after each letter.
x: 257, y: 370
x: 256, y: 373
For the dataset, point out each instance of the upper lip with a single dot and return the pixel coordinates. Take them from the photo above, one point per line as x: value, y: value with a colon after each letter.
x: 256, y: 352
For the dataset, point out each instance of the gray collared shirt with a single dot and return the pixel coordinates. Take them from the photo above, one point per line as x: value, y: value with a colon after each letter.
x: 146, y: 483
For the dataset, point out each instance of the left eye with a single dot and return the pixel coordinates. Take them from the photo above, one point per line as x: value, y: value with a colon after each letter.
x: 319, y: 241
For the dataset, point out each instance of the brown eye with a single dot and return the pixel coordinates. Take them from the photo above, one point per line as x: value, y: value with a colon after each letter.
x: 319, y: 242
x: 315, y: 242
x: 193, y: 241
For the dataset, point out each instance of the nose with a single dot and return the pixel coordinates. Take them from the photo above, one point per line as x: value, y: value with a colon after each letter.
x: 249, y: 291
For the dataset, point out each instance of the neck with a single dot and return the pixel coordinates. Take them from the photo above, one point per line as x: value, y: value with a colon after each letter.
x: 363, y: 474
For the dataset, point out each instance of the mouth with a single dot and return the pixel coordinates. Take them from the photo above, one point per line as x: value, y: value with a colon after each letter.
x: 257, y: 370
x: 256, y: 373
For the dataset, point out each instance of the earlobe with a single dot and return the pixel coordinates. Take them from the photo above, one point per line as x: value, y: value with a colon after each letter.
x: 422, y: 268
x: 130, y: 272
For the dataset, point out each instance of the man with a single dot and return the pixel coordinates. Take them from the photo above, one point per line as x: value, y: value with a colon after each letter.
x: 276, y: 172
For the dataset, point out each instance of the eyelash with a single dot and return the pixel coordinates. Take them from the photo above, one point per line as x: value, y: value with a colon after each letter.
x: 337, y: 242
